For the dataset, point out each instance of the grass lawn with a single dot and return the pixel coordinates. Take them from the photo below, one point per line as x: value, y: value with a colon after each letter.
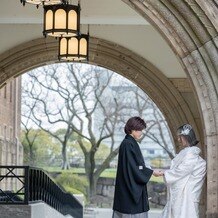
x: 108, y: 173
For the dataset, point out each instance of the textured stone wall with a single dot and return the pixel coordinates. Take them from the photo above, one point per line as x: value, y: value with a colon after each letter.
x: 191, y: 29
x: 34, y: 210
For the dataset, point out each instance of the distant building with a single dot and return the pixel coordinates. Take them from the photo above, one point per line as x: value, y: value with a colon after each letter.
x: 11, y: 150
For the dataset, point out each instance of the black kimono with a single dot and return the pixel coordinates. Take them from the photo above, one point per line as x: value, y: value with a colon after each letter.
x: 132, y: 176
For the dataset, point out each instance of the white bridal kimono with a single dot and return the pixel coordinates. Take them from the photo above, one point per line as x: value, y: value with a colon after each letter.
x: 184, y: 182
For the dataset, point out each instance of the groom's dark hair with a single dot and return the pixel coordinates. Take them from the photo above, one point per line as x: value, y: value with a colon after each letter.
x: 134, y: 123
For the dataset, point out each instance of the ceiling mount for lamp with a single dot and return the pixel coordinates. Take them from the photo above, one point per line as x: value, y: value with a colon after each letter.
x: 61, y: 20
x: 74, y: 48
x: 43, y: 2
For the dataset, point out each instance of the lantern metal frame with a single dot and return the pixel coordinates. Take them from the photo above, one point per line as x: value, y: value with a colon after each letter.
x: 43, y: 2
x: 66, y: 31
x: 76, y: 57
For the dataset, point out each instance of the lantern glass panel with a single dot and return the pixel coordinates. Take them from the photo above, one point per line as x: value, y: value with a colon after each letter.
x: 60, y: 19
x: 63, y: 46
x: 73, y: 46
x: 83, y: 46
x: 72, y: 20
x: 49, y: 20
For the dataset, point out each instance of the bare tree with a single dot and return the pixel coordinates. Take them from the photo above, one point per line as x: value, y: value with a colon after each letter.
x: 29, y: 134
x: 35, y: 98
x: 157, y: 130
x: 85, y: 101
x: 139, y: 104
x: 159, y: 136
x: 30, y: 137
x: 73, y: 100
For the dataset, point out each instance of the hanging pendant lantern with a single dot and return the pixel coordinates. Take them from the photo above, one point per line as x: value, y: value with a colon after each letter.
x: 74, y: 48
x: 61, y: 20
x: 43, y: 2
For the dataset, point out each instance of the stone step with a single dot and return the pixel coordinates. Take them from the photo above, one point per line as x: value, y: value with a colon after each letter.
x: 107, y: 213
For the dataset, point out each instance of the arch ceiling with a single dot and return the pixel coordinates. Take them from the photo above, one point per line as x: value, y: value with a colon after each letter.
x: 111, y: 20
x: 39, y: 52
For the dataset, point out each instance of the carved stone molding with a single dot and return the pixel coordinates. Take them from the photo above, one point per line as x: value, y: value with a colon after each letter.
x: 191, y: 29
x: 182, y: 84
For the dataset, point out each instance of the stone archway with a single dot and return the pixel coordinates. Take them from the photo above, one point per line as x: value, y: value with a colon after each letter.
x: 44, y: 51
x: 114, y: 57
x: 191, y: 29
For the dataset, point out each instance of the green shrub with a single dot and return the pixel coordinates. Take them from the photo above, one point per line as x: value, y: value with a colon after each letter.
x: 72, y: 190
x: 72, y: 182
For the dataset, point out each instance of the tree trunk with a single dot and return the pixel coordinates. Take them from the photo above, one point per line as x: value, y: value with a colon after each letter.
x: 65, y: 164
x: 89, y: 168
x: 92, y: 185
x: 31, y: 161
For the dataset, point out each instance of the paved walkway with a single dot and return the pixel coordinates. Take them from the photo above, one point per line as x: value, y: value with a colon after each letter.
x: 107, y: 213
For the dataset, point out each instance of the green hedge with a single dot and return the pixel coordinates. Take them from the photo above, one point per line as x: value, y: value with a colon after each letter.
x: 73, y: 183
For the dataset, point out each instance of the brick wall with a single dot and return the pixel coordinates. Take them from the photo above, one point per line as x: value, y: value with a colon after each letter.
x: 11, y: 151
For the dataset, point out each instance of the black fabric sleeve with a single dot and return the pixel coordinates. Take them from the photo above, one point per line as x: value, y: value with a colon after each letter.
x: 136, y: 175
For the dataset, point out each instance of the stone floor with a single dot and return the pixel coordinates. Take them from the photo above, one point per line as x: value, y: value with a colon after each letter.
x: 107, y: 213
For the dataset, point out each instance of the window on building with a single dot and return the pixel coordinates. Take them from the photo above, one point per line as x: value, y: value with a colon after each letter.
x: 151, y: 151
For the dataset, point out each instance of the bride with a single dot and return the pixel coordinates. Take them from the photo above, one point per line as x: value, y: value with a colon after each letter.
x: 185, y: 178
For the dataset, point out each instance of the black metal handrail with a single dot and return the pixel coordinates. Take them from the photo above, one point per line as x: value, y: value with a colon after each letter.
x: 28, y: 184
